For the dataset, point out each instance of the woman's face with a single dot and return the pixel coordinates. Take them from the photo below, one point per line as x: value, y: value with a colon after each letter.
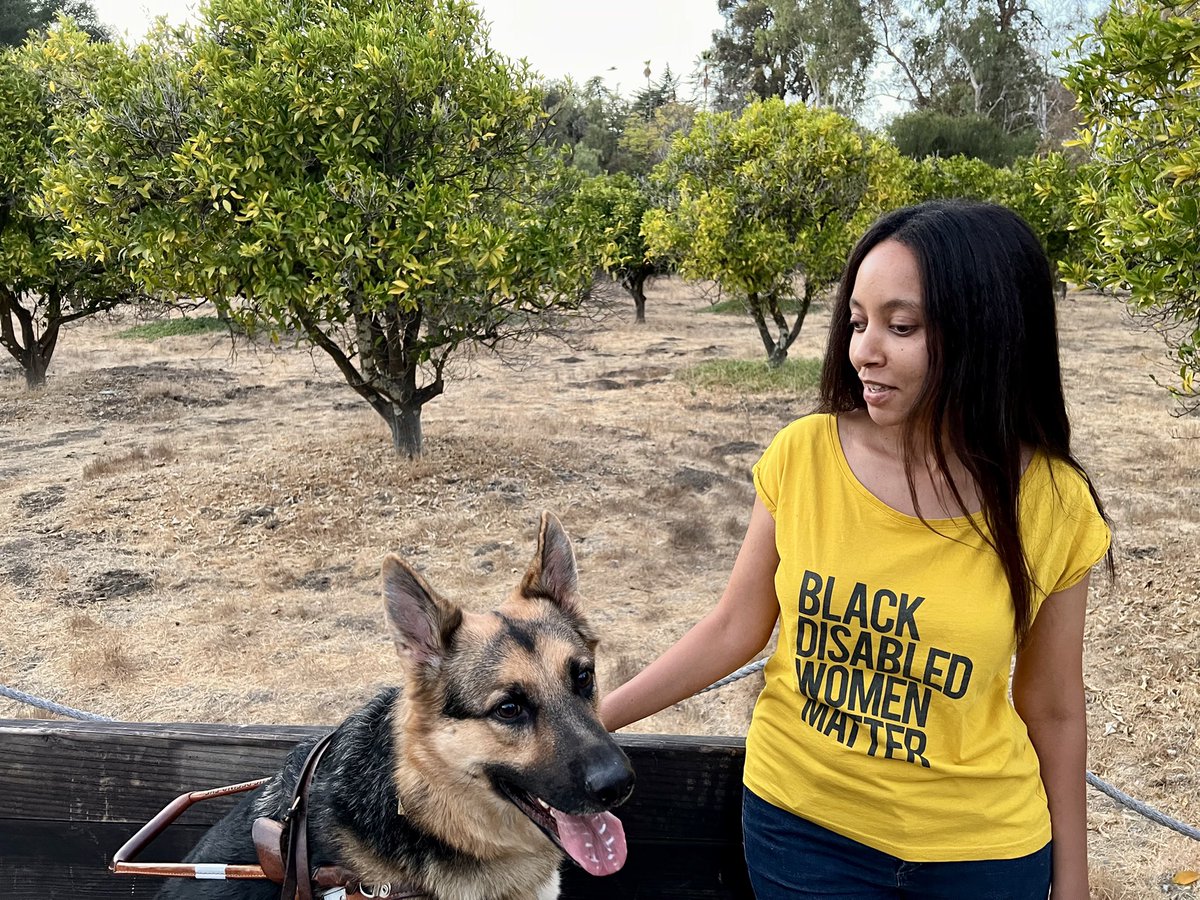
x: 887, y: 342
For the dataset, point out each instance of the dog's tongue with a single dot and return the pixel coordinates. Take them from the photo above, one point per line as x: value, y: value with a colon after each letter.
x: 596, y: 842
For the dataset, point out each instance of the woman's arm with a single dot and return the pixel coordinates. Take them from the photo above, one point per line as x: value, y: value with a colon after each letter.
x: 1048, y: 695
x: 737, y: 628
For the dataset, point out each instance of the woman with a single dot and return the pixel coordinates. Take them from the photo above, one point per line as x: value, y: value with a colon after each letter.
x: 925, y: 526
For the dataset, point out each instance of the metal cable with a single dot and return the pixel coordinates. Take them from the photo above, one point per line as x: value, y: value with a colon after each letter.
x: 1139, y: 807
x: 50, y: 705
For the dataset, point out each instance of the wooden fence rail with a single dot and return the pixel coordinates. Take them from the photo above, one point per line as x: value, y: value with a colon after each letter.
x: 71, y: 793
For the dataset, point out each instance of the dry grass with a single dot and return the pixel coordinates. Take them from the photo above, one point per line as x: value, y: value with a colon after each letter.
x: 156, y: 455
x: 186, y: 536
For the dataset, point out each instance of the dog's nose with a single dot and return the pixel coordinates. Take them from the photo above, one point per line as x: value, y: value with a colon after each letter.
x: 610, y: 782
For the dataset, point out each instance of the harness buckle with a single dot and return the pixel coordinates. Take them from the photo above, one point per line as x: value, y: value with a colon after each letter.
x: 335, y: 893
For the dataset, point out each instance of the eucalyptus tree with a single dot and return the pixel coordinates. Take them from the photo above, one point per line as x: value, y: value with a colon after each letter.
x: 814, y: 52
x: 976, y: 58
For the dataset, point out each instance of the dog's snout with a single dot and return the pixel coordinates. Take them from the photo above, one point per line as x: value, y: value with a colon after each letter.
x: 610, y: 782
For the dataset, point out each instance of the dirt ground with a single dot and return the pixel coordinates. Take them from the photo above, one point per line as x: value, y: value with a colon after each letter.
x: 190, y: 534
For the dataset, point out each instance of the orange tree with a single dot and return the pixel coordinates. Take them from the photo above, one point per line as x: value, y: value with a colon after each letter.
x: 368, y: 174
x: 610, y: 209
x: 767, y: 204
x: 1042, y: 189
x: 1139, y: 100
x: 41, y: 288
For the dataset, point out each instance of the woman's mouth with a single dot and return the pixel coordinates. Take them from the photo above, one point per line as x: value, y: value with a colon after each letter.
x: 874, y: 392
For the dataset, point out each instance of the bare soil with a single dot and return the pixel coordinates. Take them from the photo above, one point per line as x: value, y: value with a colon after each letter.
x: 189, y: 533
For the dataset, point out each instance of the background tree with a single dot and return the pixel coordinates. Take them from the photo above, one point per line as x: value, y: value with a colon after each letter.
x: 40, y: 291
x: 701, y: 79
x: 1044, y: 190
x: 928, y: 132
x: 587, y: 122
x: 1139, y: 99
x: 836, y: 46
x: 656, y: 94
x: 368, y: 174
x: 814, y: 52
x: 645, y: 142
x: 767, y: 204
x: 945, y: 178
x: 972, y: 59
x: 611, y: 208
x: 19, y: 17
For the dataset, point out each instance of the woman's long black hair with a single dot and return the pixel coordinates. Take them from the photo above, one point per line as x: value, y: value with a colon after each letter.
x: 993, y: 383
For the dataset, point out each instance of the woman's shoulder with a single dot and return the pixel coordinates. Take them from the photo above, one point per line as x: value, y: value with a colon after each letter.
x: 802, y: 437
x: 799, y: 446
x: 1059, y: 484
x: 1063, y: 530
x: 806, y: 428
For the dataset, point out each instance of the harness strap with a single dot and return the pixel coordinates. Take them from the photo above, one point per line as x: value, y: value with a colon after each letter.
x: 283, y: 848
x: 297, y: 881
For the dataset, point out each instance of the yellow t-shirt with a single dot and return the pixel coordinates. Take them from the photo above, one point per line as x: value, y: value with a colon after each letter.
x: 886, y: 714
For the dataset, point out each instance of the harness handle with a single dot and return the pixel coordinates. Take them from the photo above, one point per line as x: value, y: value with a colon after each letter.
x: 279, y: 861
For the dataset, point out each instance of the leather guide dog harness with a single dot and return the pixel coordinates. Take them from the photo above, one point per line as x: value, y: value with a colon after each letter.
x: 282, y: 849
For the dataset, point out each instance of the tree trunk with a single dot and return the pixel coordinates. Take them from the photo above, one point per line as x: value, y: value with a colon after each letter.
x: 756, y: 313
x: 35, y: 363
x: 31, y: 352
x: 777, y: 357
x: 405, y: 423
x: 636, y: 285
x: 41, y: 350
x: 389, y: 373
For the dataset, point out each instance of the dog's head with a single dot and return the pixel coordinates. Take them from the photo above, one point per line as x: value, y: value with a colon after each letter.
x: 509, y: 698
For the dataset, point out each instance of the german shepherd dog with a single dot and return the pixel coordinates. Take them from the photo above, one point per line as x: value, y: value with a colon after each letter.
x: 470, y: 780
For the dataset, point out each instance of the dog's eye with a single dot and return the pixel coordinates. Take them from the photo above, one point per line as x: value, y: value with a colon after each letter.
x: 509, y: 711
x: 585, y: 680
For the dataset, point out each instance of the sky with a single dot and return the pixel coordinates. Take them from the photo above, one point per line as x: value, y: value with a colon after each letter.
x: 580, y: 38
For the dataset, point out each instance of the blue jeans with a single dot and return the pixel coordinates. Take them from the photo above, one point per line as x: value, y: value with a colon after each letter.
x: 790, y: 857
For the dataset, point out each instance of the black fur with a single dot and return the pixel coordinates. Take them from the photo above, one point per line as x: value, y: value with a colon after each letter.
x: 353, y: 790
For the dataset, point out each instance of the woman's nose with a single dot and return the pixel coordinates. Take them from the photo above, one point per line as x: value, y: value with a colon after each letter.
x: 865, y: 348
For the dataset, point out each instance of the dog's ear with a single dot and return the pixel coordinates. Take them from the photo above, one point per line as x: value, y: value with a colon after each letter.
x: 420, y: 621
x: 552, y: 573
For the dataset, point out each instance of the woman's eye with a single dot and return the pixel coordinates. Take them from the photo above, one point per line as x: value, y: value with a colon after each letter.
x: 904, y: 330
x: 857, y: 327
